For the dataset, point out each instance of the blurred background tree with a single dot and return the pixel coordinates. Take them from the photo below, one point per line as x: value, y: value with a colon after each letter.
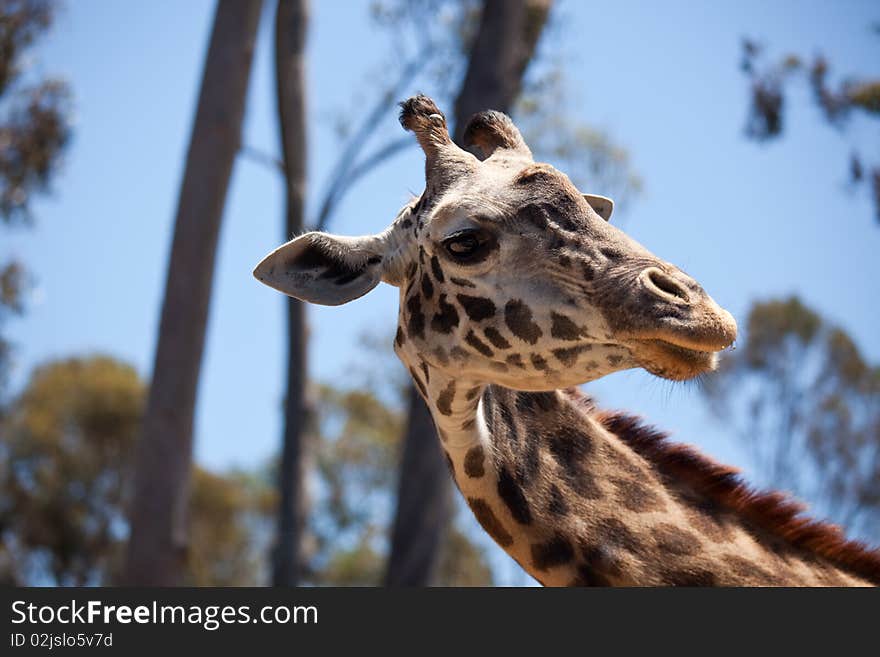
x: 837, y: 101
x: 157, y: 550
x: 34, y: 131
x: 806, y: 403
x: 65, y: 484
x: 66, y: 464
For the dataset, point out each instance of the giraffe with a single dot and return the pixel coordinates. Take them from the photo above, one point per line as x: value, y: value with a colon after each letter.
x: 514, y: 288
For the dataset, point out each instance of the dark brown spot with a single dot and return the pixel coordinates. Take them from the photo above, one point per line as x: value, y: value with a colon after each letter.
x: 532, y: 402
x: 635, y: 495
x: 570, y: 447
x: 623, y: 463
x: 518, y: 317
x: 557, y: 505
x: 458, y: 353
x: 416, y: 324
x: 707, y: 519
x: 554, y: 552
x: 400, y: 337
x: 447, y: 318
x: 473, y: 392
x: 472, y: 339
x: 748, y: 570
x: 444, y: 399
x: 515, y: 360
x: 601, y: 561
x: 528, y: 463
x: 477, y: 308
x: 437, y: 271
x: 467, y: 425
x: 674, y: 540
x: 461, y: 282
x: 489, y: 521
x: 615, y: 532
x: 426, y: 372
x: 538, y: 362
x: 440, y: 355
x: 536, y: 215
x: 695, y: 577
x: 427, y: 286
x: 569, y: 355
x: 611, y: 253
x: 496, y: 338
x: 569, y: 444
x: 588, y: 577
x: 615, y: 360
x: 562, y: 328
x: 534, y: 172
x: 513, y: 496
x: 473, y: 462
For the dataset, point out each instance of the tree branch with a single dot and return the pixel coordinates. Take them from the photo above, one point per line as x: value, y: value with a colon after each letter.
x: 357, y: 172
x: 261, y: 157
x: 344, y: 164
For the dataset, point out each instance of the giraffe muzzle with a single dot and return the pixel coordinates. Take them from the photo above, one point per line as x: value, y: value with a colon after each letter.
x: 684, y: 329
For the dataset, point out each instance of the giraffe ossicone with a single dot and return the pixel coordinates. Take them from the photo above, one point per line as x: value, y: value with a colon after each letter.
x: 514, y: 288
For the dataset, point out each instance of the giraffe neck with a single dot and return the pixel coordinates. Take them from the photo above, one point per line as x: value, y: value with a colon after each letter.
x: 573, y: 504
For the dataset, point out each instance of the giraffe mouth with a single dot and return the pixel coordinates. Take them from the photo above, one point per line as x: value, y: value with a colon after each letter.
x: 673, y: 361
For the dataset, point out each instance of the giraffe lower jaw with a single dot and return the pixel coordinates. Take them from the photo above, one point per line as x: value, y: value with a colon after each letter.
x: 673, y: 361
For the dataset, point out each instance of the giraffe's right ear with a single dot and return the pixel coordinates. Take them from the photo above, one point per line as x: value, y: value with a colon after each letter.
x: 324, y: 269
x: 603, y: 205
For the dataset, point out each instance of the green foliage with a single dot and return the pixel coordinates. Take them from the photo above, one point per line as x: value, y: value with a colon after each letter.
x: 34, y: 130
x: 768, y: 88
x: 230, y: 523
x: 66, y: 449
x: 807, y: 404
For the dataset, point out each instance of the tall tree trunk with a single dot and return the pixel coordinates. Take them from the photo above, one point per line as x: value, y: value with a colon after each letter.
x: 505, y: 43
x: 157, y: 546
x: 291, y: 23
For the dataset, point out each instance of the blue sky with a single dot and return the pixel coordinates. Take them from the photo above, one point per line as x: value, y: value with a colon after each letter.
x: 662, y: 78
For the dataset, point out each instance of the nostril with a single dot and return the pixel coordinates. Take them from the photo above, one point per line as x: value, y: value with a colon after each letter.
x: 658, y: 281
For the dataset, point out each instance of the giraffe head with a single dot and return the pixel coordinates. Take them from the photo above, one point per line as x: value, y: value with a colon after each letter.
x: 508, y: 274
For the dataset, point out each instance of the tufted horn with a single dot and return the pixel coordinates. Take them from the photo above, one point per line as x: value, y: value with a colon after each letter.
x: 444, y: 161
x: 491, y: 130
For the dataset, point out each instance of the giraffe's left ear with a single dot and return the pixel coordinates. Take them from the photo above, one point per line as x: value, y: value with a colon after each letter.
x: 324, y: 269
x: 603, y: 205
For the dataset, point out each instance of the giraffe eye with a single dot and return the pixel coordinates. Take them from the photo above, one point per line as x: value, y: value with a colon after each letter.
x: 467, y: 246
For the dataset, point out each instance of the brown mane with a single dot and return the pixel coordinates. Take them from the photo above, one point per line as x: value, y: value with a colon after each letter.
x: 770, y: 510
